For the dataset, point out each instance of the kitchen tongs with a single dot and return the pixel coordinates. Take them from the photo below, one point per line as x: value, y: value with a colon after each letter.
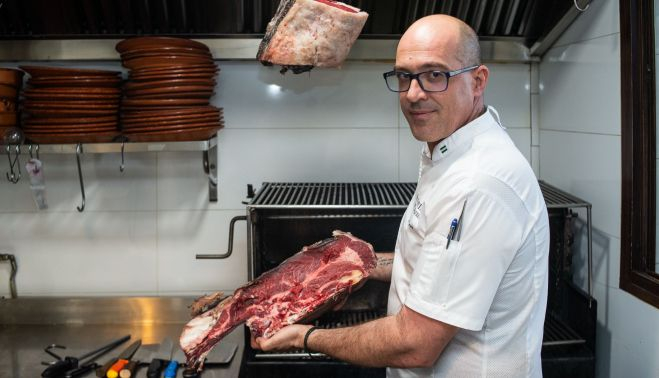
x: 68, y: 366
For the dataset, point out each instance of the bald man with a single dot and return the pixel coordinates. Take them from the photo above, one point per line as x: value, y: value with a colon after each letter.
x: 469, y: 273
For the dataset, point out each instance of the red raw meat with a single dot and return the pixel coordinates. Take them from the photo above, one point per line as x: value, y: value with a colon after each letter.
x: 310, y: 33
x: 301, y: 288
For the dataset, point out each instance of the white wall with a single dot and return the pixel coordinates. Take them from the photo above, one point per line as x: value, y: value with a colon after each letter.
x: 141, y: 229
x: 580, y: 152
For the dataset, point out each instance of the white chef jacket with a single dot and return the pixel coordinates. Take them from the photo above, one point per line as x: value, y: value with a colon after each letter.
x: 491, y: 282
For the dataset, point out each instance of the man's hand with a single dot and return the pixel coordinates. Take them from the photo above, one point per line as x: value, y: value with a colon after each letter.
x: 289, y: 337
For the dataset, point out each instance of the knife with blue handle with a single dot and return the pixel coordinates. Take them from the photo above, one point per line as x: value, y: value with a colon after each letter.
x: 170, y: 370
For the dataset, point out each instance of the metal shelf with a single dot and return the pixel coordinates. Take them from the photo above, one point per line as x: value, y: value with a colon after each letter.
x: 103, y: 148
x: 207, y: 147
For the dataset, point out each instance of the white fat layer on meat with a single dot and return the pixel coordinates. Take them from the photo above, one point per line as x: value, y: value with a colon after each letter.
x: 196, y: 330
x: 353, y: 277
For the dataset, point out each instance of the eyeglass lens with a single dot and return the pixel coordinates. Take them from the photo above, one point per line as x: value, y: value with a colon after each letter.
x: 434, y: 81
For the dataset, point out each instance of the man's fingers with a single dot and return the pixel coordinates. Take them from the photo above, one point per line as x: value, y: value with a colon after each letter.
x: 255, y: 342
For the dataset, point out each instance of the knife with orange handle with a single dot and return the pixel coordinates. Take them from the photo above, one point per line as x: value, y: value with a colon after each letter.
x: 123, y: 359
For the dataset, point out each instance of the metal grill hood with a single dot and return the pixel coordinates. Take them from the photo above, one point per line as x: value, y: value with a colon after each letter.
x: 529, y: 23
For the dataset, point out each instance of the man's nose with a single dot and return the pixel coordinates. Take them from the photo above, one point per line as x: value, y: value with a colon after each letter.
x: 415, y: 93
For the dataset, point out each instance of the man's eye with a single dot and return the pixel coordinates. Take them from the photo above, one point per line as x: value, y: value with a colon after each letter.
x: 401, y: 75
x: 435, y: 74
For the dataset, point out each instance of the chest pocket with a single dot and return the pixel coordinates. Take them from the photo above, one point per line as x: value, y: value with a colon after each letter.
x: 434, y: 270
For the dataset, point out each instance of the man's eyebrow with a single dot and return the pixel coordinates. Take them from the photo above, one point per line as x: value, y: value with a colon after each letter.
x: 425, y: 67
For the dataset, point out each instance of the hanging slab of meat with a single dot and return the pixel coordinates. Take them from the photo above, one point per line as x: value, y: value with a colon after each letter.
x: 310, y: 33
x: 301, y: 288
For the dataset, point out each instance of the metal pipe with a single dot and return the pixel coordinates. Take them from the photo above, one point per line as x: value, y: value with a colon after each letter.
x: 12, y: 275
x: 230, y: 248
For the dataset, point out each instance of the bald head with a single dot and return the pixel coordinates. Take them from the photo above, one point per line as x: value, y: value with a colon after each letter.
x: 440, y: 43
x: 445, y: 32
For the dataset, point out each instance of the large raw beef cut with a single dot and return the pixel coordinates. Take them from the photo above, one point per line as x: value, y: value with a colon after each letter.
x: 300, y: 288
x: 310, y: 33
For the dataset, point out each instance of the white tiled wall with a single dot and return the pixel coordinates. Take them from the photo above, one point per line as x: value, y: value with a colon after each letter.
x: 579, y: 136
x: 142, y: 228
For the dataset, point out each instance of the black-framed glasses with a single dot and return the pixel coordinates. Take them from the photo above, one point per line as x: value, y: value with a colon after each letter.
x: 429, y: 81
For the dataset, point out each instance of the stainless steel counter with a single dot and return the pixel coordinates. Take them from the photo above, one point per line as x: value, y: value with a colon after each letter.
x: 28, y: 325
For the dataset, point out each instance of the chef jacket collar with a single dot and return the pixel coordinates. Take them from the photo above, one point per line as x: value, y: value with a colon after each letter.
x: 463, y: 136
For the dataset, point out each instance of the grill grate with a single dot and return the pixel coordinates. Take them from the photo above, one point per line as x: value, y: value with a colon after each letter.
x: 333, y: 320
x: 372, y: 195
x: 558, y: 333
x: 556, y: 198
x: 278, y: 194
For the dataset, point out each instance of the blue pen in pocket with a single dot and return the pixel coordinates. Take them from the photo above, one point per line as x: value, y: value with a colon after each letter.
x: 451, y: 232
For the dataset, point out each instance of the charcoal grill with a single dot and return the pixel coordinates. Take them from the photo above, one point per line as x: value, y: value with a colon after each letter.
x: 283, y: 216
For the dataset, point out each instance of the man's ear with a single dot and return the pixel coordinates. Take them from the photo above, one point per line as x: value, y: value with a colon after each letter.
x: 480, y: 79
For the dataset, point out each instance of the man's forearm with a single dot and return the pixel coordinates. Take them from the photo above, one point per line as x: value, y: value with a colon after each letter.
x: 407, y: 339
x: 382, y: 271
x: 378, y: 343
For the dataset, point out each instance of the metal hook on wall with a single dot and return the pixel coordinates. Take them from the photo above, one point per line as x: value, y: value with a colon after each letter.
x: 13, y: 176
x: 82, y: 185
x: 576, y: 5
x: 121, y: 167
x: 12, y: 276
x: 36, y: 150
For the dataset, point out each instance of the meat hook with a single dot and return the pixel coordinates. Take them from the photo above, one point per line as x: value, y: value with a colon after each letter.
x: 12, y: 176
x: 82, y: 185
x: 123, y: 145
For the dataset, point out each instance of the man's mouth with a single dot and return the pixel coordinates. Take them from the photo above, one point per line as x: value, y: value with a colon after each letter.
x: 421, y: 114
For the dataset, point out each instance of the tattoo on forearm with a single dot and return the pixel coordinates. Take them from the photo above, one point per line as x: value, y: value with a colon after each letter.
x: 385, y: 261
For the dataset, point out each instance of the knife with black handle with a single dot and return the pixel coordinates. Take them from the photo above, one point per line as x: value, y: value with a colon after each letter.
x: 155, y: 368
x: 161, y: 359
